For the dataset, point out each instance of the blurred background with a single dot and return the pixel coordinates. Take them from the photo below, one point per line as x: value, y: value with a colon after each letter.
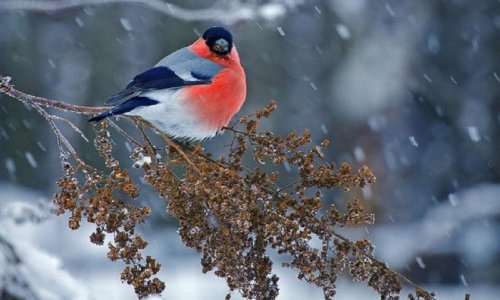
x: 409, y: 88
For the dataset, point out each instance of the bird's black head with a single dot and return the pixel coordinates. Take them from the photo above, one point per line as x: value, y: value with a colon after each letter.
x: 219, y: 40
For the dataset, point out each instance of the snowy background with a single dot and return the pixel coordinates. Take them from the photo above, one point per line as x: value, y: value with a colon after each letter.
x: 410, y: 88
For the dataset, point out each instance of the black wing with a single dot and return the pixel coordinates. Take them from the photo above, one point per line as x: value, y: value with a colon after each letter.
x: 156, y: 78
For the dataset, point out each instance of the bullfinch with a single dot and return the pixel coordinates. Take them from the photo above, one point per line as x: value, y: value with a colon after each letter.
x: 191, y: 93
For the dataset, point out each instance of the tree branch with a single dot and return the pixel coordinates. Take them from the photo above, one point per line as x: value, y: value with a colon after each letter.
x: 7, y: 88
x: 378, y: 262
x: 38, y: 102
x: 226, y: 12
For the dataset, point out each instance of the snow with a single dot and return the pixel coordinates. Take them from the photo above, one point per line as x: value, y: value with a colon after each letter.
x: 427, y: 78
x: 379, y: 67
x: 79, y: 22
x: 287, y: 166
x: 496, y: 76
x: 88, y: 10
x: 44, y: 273
x: 4, y: 134
x: 367, y: 192
x: 453, y: 199
x: 439, y: 111
x: 26, y: 123
x: 31, y: 159
x: 480, y: 240
x: 128, y: 146
x: 22, y: 212
x: 10, y: 166
x: 389, y: 9
x: 413, y: 141
x: 126, y: 24
x: 51, y: 63
x: 34, y: 268
x: 324, y: 129
x: 359, y: 154
x: 376, y: 123
x: 474, y: 134
x: 59, y: 263
x: 343, y: 31
x: 368, y: 63
x: 281, y: 31
x: 433, y: 43
x: 464, y: 281
x: 272, y: 11
x: 420, y: 262
x: 432, y: 233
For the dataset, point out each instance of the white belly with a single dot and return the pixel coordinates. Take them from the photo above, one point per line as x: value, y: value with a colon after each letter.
x: 172, y: 117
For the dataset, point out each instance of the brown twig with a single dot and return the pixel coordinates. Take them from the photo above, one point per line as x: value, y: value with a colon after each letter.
x: 149, y: 145
x: 75, y: 128
x: 236, y: 131
x: 169, y: 142
x: 7, y: 88
x: 61, y: 139
x: 378, y: 262
x: 38, y: 102
x: 125, y: 134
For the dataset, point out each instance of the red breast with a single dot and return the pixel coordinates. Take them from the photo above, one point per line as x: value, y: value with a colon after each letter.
x: 216, y: 103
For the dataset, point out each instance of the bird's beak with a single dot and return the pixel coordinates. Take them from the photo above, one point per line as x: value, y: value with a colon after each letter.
x: 221, y: 46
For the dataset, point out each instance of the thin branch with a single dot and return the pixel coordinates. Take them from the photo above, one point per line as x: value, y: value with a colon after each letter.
x: 125, y: 134
x: 54, y: 117
x: 61, y: 138
x: 146, y: 139
x: 290, y: 185
x: 38, y: 102
x: 378, y: 262
x: 229, y: 12
x: 167, y: 140
x: 7, y: 88
x: 236, y: 131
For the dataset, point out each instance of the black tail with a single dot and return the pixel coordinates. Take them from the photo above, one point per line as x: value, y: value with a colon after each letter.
x: 101, y: 116
x: 124, y: 107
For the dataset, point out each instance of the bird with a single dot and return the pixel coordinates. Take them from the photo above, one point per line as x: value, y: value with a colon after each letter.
x: 190, y: 94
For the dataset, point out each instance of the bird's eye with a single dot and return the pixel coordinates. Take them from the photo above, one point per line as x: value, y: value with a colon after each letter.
x: 220, y: 46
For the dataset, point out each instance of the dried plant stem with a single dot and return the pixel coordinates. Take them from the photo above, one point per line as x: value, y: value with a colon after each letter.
x: 337, y: 235
x: 150, y: 147
x: 265, y: 186
x: 238, y: 131
x: 8, y: 89
x: 75, y: 128
x: 61, y: 139
x: 376, y: 261
x: 37, y: 102
x: 169, y: 141
x: 125, y: 134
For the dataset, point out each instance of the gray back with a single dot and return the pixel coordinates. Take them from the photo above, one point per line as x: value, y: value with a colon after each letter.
x: 185, y: 63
